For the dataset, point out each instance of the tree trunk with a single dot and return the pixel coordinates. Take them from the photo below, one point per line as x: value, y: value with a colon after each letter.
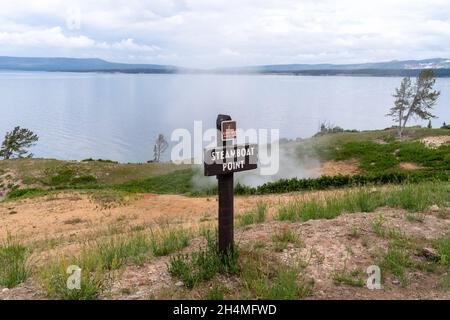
x: 400, y: 129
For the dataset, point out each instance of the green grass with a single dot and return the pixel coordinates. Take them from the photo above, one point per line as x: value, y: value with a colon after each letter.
x: 25, y: 193
x: 203, y: 265
x: 412, y: 197
x: 256, y: 216
x: 396, y: 236
x: 106, y: 172
x: 53, y: 279
x: 283, y: 238
x: 397, y: 261
x: 378, y: 226
x: 217, y: 292
x: 168, y: 240
x: 263, y: 277
x: 99, y: 260
x: 285, y: 286
x: 114, y: 253
x: 340, y: 181
x: 179, y: 181
x: 442, y: 246
x: 13, y: 263
x: 258, y: 276
x: 375, y: 156
x: 353, y: 279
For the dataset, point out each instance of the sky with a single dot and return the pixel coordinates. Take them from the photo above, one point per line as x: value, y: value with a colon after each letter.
x: 222, y: 33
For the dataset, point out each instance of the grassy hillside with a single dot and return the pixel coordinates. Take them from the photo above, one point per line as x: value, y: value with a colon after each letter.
x: 380, y: 156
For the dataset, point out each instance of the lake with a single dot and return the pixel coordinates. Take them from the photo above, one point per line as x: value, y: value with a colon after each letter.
x: 118, y: 116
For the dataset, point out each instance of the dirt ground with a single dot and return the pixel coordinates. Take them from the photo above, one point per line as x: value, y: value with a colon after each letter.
x: 333, y: 168
x: 327, y: 245
x: 436, y: 141
x: 410, y: 166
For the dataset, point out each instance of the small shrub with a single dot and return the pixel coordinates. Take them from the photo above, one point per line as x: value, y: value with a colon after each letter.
x: 25, y: 193
x: 62, y: 177
x: 354, y: 232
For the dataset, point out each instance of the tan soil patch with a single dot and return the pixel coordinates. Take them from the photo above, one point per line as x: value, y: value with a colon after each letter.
x: 380, y: 141
x: 410, y: 166
x: 70, y: 216
x: 435, y: 142
x: 46, y: 218
x: 334, y: 168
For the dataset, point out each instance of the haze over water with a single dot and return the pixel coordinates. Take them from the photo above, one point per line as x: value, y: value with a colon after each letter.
x: 118, y: 116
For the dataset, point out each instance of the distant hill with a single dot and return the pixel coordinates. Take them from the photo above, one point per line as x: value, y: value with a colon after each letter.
x: 441, y: 67
x: 80, y: 65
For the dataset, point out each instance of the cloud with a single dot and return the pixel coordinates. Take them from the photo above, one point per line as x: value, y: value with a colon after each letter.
x: 127, y: 45
x: 228, y: 32
x: 52, y: 37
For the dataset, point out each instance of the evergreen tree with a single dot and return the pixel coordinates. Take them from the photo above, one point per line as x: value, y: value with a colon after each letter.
x: 17, y: 142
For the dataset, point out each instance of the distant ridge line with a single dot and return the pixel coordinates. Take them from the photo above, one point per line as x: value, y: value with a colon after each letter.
x: 440, y: 66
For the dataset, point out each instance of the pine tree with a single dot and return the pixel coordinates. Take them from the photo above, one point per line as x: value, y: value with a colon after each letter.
x: 17, y: 142
x: 414, y: 100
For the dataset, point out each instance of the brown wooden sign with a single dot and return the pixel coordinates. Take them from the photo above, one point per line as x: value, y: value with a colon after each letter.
x: 229, y: 159
x: 222, y: 161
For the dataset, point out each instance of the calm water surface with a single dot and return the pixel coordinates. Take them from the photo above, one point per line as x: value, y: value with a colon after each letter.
x: 118, y: 116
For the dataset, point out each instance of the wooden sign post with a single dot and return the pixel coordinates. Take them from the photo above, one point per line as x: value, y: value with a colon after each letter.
x: 222, y: 162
